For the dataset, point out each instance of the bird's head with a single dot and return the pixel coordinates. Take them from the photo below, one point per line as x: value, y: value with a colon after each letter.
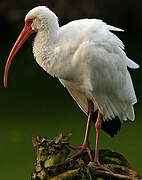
x: 38, y: 19
x: 41, y: 18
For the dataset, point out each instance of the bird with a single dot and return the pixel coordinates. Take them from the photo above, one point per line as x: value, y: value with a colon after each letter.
x: 90, y: 62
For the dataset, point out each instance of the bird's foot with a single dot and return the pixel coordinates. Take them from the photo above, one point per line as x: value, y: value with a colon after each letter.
x: 80, y: 149
x: 99, y: 166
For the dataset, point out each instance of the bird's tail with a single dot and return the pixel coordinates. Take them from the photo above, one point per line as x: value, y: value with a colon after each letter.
x: 111, y: 108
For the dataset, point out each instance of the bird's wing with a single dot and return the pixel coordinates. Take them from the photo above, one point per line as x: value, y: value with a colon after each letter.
x: 111, y: 83
x: 91, y: 41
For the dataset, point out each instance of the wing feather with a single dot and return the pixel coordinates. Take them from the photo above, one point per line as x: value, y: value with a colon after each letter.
x: 131, y: 64
x: 112, y: 85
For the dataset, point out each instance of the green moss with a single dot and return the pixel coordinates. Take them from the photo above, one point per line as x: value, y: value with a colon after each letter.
x: 52, y: 162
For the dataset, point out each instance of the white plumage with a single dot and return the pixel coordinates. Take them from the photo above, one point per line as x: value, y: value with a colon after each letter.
x: 89, y: 61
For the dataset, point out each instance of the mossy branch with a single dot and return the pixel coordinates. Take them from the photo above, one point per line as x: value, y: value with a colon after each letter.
x: 52, y: 162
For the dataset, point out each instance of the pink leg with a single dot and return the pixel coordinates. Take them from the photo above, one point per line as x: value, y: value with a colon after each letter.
x: 96, y: 160
x: 98, y: 127
x: 85, y: 145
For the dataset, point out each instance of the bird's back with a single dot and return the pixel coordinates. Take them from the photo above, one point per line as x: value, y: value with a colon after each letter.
x: 83, y: 30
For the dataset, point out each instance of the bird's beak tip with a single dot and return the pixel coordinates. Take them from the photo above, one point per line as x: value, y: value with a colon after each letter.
x: 5, y: 85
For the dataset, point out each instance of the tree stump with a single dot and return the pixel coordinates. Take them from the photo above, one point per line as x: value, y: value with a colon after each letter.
x: 53, y: 162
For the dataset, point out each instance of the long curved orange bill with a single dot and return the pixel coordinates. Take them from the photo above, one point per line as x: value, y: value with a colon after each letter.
x: 25, y: 33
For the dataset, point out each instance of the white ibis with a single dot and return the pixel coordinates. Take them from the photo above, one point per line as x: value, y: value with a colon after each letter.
x: 88, y: 59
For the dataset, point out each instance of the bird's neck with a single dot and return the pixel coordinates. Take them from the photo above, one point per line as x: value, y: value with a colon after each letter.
x: 45, y: 38
x: 43, y: 48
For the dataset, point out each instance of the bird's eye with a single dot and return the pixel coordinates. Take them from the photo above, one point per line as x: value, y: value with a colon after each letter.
x: 29, y: 21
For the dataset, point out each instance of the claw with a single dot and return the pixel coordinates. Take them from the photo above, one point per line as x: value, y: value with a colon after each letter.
x: 99, y: 166
x: 80, y: 149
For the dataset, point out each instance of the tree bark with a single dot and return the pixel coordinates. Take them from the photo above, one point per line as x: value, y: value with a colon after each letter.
x: 53, y: 162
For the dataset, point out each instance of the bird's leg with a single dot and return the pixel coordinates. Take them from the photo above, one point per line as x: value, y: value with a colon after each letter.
x: 98, y: 127
x: 96, y: 160
x: 85, y: 145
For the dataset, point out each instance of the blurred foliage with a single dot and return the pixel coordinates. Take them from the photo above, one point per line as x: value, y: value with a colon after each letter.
x: 34, y: 96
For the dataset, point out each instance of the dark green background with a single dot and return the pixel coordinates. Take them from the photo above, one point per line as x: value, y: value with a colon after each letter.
x: 37, y: 104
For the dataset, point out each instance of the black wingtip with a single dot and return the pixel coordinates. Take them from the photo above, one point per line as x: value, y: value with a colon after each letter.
x: 111, y: 127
